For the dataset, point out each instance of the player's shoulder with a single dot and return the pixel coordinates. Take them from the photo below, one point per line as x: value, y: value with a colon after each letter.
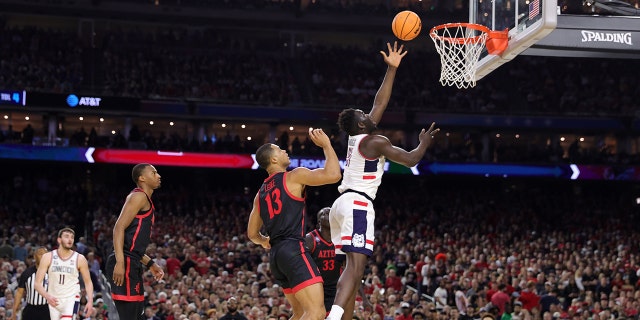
x: 137, y: 193
x: 374, y: 139
x: 137, y: 196
x: 378, y: 137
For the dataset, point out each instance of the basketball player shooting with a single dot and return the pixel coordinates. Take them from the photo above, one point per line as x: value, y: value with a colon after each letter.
x: 352, y: 214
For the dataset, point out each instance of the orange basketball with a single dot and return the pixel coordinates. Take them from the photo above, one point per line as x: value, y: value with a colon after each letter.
x: 406, y: 25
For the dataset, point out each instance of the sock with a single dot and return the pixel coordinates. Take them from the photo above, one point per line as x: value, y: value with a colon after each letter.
x: 335, y: 313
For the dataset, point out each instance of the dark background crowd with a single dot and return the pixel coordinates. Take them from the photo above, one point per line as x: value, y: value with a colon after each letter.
x: 531, y: 238
x: 270, y: 68
x: 173, y: 62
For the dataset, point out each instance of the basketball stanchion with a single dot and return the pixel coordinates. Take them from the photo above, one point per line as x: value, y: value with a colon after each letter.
x: 460, y: 45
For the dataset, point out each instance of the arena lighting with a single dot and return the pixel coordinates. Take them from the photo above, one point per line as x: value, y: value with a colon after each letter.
x: 247, y: 161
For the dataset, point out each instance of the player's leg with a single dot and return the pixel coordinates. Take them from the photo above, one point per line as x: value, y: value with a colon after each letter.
x: 300, y: 278
x: 67, y: 308
x: 309, y: 301
x: 36, y: 312
x: 356, y: 240
x: 140, y: 311
x: 329, y: 298
x: 54, y: 313
x: 349, y: 283
x: 129, y: 310
x: 296, y: 307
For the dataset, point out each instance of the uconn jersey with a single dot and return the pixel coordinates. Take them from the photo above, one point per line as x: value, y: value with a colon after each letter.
x: 360, y: 173
x: 64, y: 279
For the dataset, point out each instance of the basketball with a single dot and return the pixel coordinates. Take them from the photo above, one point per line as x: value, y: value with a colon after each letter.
x: 406, y: 25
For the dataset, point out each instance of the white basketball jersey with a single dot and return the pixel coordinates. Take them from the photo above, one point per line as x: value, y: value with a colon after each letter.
x: 64, y: 278
x: 360, y: 173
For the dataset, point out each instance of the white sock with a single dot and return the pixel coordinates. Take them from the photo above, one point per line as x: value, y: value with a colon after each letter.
x: 335, y: 313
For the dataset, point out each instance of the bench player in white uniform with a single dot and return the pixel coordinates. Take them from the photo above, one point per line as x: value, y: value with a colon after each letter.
x: 64, y: 265
x: 352, y: 214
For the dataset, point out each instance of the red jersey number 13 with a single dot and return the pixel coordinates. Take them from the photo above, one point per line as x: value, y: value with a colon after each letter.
x: 274, y: 203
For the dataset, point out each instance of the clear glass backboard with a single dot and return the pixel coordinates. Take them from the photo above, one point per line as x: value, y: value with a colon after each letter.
x: 528, y: 21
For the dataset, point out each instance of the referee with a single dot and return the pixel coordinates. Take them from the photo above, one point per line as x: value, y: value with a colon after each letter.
x: 36, y: 307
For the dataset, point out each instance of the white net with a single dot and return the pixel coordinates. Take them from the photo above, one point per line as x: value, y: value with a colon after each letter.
x: 459, y: 46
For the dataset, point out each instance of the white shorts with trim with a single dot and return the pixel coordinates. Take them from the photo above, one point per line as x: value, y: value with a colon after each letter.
x: 66, y: 309
x: 351, y: 219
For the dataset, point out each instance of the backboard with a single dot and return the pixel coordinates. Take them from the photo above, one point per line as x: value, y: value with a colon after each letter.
x: 528, y: 21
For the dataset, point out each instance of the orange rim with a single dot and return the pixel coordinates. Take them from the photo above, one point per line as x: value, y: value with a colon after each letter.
x: 462, y: 40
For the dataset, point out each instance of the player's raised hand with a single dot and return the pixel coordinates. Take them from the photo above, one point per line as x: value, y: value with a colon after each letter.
x: 395, y: 54
x: 428, y: 134
x: 319, y: 138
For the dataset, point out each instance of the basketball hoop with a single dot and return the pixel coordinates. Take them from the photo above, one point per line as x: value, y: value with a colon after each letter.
x: 460, y: 45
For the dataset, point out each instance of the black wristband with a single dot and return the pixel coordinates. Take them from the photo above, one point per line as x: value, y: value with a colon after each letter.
x: 150, y: 263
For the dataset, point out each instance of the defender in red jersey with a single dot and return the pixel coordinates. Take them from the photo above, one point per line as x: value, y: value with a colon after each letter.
x: 131, y: 236
x: 279, y: 206
x: 318, y: 242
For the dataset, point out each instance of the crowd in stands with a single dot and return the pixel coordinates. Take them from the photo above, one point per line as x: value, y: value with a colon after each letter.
x: 261, y: 68
x: 534, y: 249
x: 358, y: 7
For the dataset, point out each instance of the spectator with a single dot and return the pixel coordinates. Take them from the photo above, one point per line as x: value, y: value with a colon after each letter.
x: 405, y: 312
x: 232, y: 311
x: 393, y: 281
x: 6, y: 250
x: 20, y: 251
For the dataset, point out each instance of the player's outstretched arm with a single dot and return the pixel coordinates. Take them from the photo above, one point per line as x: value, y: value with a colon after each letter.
x: 383, y: 95
x: 382, y: 145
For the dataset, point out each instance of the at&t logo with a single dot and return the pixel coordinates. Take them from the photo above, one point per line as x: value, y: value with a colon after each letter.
x: 74, y: 101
